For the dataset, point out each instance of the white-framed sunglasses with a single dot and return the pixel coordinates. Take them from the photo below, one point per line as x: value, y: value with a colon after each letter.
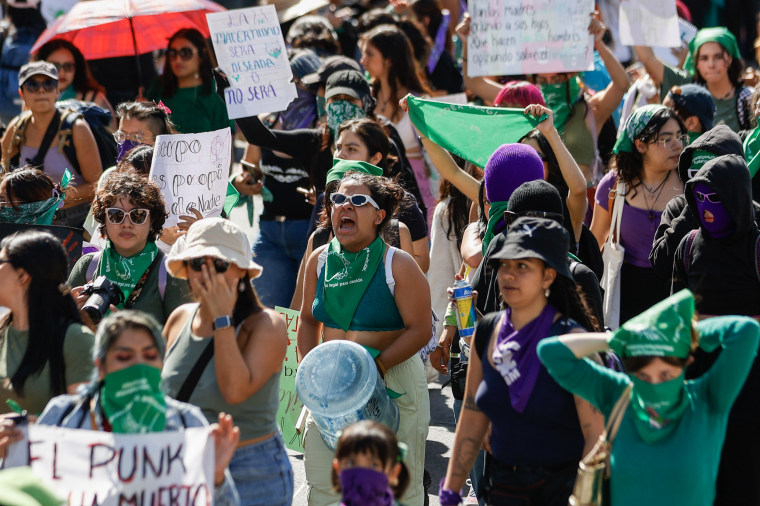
x: 357, y: 200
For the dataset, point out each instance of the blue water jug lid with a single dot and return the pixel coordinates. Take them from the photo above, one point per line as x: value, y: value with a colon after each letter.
x: 336, y: 377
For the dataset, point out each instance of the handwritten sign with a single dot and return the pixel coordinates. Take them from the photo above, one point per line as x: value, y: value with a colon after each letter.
x: 93, y: 467
x: 290, y: 404
x: 529, y: 37
x: 250, y: 49
x: 191, y: 170
x: 687, y: 32
x: 649, y: 23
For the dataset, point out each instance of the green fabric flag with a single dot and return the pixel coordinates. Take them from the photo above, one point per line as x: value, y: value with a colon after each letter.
x: 132, y: 400
x: 752, y: 150
x: 347, y: 276
x: 231, y: 200
x: 468, y: 131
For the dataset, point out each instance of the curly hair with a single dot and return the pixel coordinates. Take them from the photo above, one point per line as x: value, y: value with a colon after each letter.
x: 27, y: 184
x: 140, y: 192
x: 375, y: 138
x: 630, y: 164
x: 83, y: 79
x: 158, y: 120
x: 385, y: 191
x: 194, y: 37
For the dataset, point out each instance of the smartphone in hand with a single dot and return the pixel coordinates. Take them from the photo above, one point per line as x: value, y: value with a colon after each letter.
x: 254, y: 170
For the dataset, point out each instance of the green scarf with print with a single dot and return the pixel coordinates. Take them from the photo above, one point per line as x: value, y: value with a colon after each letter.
x: 126, y: 271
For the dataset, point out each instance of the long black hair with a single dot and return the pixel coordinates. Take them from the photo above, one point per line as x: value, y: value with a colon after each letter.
x: 50, y: 307
x: 456, y: 215
x: 569, y: 299
x: 83, y: 79
x: 195, y: 38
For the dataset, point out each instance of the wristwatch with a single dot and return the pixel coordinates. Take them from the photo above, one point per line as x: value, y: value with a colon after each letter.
x: 222, y: 322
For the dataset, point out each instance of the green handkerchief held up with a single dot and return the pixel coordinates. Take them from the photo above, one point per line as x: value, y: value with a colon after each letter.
x: 469, y: 131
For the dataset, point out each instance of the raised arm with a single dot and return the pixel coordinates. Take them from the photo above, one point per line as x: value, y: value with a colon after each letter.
x: 301, y: 144
x: 654, y: 67
x: 480, y: 86
x: 606, y: 101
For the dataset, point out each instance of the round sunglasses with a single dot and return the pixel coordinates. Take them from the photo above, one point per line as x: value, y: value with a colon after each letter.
x: 184, y: 53
x: 196, y: 264
x: 137, y: 216
x: 47, y: 86
x: 357, y: 200
x: 68, y: 66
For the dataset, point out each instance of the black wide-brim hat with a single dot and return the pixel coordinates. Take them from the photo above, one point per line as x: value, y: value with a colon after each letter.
x: 537, y: 238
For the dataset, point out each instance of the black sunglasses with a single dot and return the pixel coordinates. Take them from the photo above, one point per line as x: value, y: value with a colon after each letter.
x: 196, y: 264
x: 511, y: 216
x: 185, y: 53
x: 66, y: 66
x: 47, y: 85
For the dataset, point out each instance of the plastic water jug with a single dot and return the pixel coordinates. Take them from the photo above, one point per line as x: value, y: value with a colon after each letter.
x: 339, y: 383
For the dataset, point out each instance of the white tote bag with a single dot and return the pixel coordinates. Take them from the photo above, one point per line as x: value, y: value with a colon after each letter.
x: 612, y: 255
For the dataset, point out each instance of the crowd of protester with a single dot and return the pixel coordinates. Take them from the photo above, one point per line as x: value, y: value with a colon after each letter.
x: 614, y: 250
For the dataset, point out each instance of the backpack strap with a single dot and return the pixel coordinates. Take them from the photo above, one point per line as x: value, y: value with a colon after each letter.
x: 93, y: 266
x: 19, y: 136
x: 66, y: 138
x: 389, y: 279
x: 687, y: 250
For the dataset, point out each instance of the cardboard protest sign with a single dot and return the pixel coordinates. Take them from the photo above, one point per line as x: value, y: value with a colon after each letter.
x: 649, y: 23
x: 529, y: 37
x: 687, y: 32
x: 191, y: 170
x: 71, y: 238
x: 290, y: 404
x: 250, y: 49
x: 95, y: 467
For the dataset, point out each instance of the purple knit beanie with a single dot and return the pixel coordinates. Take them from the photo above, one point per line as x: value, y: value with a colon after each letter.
x: 508, y: 167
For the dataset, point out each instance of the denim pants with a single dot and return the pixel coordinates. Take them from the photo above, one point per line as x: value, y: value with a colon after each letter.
x: 279, y: 248
x: 262, y: 473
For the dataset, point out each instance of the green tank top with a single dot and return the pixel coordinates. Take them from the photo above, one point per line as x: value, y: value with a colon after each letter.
x: 577, y: 136
x: 256, y: 416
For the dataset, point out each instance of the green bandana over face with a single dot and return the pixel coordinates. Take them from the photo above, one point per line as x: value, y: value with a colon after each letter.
x: 132, y: 400
x: 341, y: 167
x: 37, y: 213
x: 339, y: 112
x: 664, y: 330
x: 347, y: 276
x: 495, y: 216
x: 658, y: 407
x: 719, y: 34
x: 556, y: 95
x: 479, y: 130
x: 635, y: 124
x: 126, y: 272
x: 752, y: 150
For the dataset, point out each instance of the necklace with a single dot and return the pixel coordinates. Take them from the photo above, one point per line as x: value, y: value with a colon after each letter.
x: 657, y: 190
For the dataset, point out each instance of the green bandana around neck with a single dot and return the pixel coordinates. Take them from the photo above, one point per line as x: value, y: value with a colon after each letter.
x: 339, y: 112
x: 658, y: 408
x: 635, y: 124
x: 37, y: 213
x: 752, y: 150
x: 341, y: 167
x: 132, y: 400
x: 347, y: 276
x: 479, y: 130
x: 556, y: 95
x: 68, y: 94
x: 495, y: 216
x: 663, y: 330
x: 126, y: 271
x: 719, y: 34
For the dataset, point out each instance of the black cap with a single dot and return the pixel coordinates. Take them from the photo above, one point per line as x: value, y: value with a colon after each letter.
x: 537, y: 238
x: 37, y: 68
x: 697, y: 101
x: 537, y: 195
x: 347, y: 82
x: 328, y: 68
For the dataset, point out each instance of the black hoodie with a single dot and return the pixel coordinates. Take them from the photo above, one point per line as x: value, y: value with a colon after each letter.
x: 722, y: 272
x: 676, y: 221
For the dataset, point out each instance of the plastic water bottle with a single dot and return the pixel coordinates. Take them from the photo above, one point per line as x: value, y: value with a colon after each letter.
x: 339, y: 383
x: 466, y: 318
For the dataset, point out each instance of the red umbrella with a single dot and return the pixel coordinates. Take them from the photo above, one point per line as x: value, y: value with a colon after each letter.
x: 112, y: 28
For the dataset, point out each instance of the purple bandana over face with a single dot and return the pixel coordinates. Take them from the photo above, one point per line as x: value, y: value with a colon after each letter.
x: 301, y: 113
x: 124, y: 148
x: 712, y: 215
x: 515, y: 357
x: 365, y: 487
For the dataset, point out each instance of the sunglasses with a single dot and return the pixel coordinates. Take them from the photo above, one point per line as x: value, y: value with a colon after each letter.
x: 357, y: 200
x: 185, y: 53
x: 137, y: 216
x: 47, y: 86
x: 511, y: 216
x: 196, y: 264
x: 710, y: 197
x: 66, y: 66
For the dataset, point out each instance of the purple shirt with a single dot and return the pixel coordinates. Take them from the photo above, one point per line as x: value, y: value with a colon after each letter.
x: 636, y: 229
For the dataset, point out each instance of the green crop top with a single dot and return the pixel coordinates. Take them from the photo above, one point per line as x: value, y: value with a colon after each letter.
x: 578, y: 137
x: 377, y: 309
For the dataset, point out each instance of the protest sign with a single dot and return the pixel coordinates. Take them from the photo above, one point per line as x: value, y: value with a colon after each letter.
x: 687, y: 32
x: 529, y: 37
x: 191, y: 170
x: 96, y: 467
x: 649, y: 23
x: 250, y: 49
x: 290, y: 404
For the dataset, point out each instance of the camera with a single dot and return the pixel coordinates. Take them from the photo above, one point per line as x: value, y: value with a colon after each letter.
x: 103, y: 292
